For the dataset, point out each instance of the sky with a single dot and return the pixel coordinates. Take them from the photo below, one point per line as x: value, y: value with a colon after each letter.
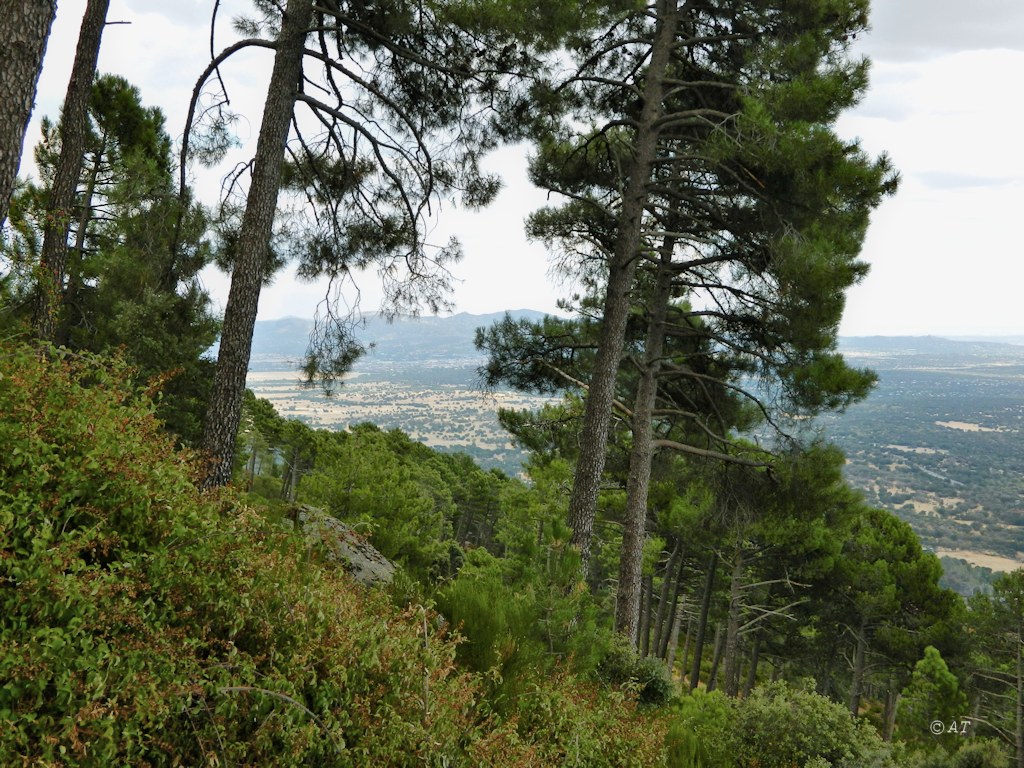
x: 945, y: 103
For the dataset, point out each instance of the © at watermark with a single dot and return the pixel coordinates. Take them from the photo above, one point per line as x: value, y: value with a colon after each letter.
x: 959, y: 727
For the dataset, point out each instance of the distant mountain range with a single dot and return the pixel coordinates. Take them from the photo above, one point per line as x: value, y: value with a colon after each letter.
x: 407, y: 339
x: 962, y: 348
x: 449, y: 339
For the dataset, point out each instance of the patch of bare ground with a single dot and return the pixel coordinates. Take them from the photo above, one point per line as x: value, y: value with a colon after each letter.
x: 923, y: 507
x: 983, y: 559
x: 450, y: 416
x: 918, y: 449
x: 966, y: 426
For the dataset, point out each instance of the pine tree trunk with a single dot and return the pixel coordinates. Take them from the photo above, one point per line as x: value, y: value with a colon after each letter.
x: 465, y: 521
x: 634, y: 529
x: 892, y: 698
x: 677, y: 587
x: 60, y: 206
x: 621, y: 268
x: 290, y: 481
x: 250, y: 469
x: 685, y: 660
x: 732, y: 635
x: 224, y: 411
x: 24, y: 30
x: 77, y: 255
x: 664, y: 614
x: 755, y: 657
x: 856, y: 683
x: 645, y: 615
x: 702, y: 620
x: 673, y: 637
x: 716, y: 658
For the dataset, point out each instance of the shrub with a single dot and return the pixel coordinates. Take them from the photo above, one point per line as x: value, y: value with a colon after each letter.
x: 975, y: 753
x: 777, y: 726
x: 621, y: 665
x: 144, y: 623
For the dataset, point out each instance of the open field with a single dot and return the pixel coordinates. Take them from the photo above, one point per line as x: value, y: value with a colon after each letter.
x: 983, y: 559
x: 453, y: 416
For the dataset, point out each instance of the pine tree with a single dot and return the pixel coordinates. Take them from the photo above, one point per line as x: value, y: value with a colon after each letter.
x: 374, y: 115
x: 130, y: 280
x: 60, y: 211
x: 711, y: 131
x: 23, y: 35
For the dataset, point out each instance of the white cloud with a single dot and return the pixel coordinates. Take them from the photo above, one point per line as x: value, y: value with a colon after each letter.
x: 943, y: 262
x: 904, y: 30
x: 954, y: 115
x: 943, y: 103
x: 945, y: 252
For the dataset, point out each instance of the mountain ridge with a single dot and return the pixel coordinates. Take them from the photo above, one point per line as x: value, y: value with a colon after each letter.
x: 451, y: 336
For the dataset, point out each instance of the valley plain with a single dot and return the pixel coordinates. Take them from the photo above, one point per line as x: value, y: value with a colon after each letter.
x: 939, y: 441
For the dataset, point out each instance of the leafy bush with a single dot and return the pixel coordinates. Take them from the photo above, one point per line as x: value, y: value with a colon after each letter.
x: 975, y: 753
x: 621, y: 665
x: 497, y: 621
x: 376, y: 482
x: 144, y: 623
x: 569, y: 723
x: 777, y: 726
x: 700, y: 734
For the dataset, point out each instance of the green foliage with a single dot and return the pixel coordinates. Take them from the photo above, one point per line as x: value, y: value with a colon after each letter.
x: 648, y: 676
x: 933, y: 694
x: 379, y: 483
x: 777, y: 726
x: 142, y: 622
x: 700, y: 733
x: 981, y: 753
x: 568, y: 723
x: 975, y: 753
x: 498, y: 621
x: 963, y: 577
x: 996, y: 626
x: 523, y: 615
x: 132, y: 275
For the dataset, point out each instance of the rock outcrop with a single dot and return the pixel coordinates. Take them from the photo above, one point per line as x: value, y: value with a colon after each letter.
x: 352, y: 550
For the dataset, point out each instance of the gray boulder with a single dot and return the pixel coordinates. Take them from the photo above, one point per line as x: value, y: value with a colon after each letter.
x: 353, y: 551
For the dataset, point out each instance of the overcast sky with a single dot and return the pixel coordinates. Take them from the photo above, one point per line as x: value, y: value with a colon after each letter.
x: 946, y: 102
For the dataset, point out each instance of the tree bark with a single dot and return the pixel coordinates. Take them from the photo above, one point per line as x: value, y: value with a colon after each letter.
x: 755, y: 657
x: 702, y: 620
x: 621, y: 269
x: 224, y: 411
x: 677, y: 588
x: 74, y: 121
x: 892, y: 698
x: 634, y: 528
x: 23, y: 34
x: 673, y: 637
x: 685, y: 659
x: 645, y: 617
x: 662, y: 614
x: 715, y: 658
x: 732, y: 634
x: 856, y: 682
x: 73, y: 289
x: 465, y: 521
